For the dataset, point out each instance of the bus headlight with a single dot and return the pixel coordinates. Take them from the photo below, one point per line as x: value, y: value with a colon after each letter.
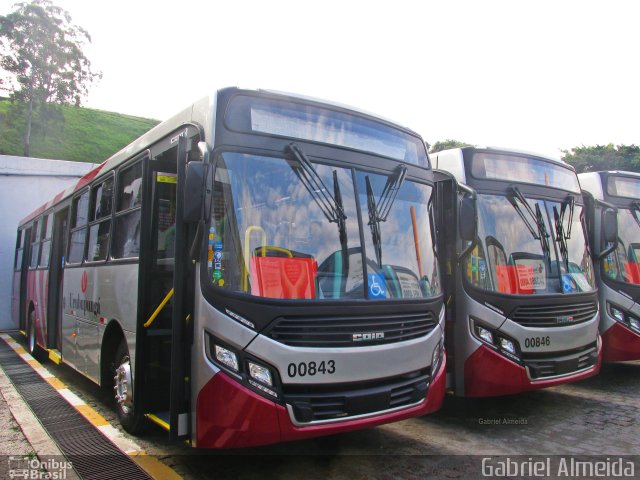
x: 624, y: 317
x: 496, y: 340
x: 485, y: 334
x: 507, y: 345
x: 616, y: 313
x: 260, y: 373
x: 260, y: 378
x: 436, y: 358
x: 227, y: 358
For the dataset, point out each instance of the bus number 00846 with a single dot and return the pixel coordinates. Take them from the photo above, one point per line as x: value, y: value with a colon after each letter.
x: 537, y: 342
x: 303, y: 369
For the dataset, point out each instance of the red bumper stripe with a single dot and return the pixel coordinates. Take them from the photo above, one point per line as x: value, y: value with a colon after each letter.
x: 228, y: 415
x: 620, y: 344
x: 489, y: 374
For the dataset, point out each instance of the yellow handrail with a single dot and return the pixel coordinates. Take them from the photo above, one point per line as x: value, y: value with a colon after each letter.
x: 247, y: 252
x: 286, y: 251
x: 159, y: 309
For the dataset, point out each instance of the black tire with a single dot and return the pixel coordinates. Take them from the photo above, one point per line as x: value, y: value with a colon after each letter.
x: 132, y: 421
x: 32, y: 345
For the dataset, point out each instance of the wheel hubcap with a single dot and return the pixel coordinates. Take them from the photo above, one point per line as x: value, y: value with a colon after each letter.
x: 123, y: 386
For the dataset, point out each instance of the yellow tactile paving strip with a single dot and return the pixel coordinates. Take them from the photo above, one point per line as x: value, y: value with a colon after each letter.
x: 151, y: 465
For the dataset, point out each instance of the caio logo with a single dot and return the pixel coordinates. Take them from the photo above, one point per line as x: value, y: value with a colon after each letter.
x: 84, y: 281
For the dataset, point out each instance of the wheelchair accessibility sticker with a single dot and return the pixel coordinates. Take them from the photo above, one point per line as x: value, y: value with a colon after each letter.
x: 377, y: 286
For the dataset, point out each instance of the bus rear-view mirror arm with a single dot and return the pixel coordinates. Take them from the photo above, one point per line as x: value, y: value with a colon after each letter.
x: 467, y: 220
x: 609, y: 231
x: 467, y: 223
x: 198, y: 189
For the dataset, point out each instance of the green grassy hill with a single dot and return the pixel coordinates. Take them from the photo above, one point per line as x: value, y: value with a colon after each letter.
x: 76, y: 133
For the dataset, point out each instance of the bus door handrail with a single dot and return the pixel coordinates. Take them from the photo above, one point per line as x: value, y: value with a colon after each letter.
x: 153, y: 316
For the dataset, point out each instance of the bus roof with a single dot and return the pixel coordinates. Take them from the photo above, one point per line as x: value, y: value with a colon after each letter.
x: 452, y: 160
x: 592, y: 181
x: 202, y: 113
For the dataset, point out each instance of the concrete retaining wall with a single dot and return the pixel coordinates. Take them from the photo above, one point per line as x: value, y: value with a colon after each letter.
x: 25, y: 184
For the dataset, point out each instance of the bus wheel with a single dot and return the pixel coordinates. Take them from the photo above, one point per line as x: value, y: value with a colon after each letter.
x: 34, y: 349
x: 130, y: 420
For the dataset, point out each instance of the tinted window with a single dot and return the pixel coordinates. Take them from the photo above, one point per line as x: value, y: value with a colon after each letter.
x: 126, y: 237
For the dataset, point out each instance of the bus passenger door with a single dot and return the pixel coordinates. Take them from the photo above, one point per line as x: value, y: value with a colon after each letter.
x: 56, y: 275
x: 160, y: 364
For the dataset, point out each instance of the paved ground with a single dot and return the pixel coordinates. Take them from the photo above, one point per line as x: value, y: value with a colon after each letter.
x: 599, y: 416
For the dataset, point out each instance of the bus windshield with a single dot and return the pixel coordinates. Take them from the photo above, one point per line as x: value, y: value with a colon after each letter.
x: 285, y: 227
x: 529, y: 248
x: 624, y: 263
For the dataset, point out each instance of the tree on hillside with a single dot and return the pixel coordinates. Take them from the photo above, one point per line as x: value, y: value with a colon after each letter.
x: 446, y: 144
x: 603, y: 157
x: 42, y: 51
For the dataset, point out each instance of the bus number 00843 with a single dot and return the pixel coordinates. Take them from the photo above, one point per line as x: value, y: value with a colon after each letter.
x: 537, y: 342
x: 303, y: 369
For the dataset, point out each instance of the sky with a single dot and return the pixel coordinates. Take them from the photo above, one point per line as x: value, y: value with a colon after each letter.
x: 542, y: 76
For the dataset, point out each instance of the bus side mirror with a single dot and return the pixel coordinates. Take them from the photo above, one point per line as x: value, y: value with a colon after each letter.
x: 467, y: 220
x: 609, y: 225
x: 195, y: 192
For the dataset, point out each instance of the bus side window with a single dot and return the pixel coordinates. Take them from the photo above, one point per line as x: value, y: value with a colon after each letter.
x: 78, y: 227
x: 126, y: 236
x: 35, y: 236
x: 45, y: 240
x: 100, y: 221
x: 19, y: 249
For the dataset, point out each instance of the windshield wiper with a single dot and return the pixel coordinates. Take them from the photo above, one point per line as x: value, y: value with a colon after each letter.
x: 540, y: 233
x: 379, y: 211
x: 562, y: 235
x: 330, y: 205
x: 304, y: 170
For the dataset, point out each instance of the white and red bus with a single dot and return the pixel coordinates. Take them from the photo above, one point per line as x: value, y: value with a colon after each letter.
x: 522, y: 305
x: 617, y: 194
x: 259, y: 268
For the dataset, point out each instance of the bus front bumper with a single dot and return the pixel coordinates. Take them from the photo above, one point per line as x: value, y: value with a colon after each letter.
x: 489, y: 374
x: 228, y: 415
x: 620, y: 344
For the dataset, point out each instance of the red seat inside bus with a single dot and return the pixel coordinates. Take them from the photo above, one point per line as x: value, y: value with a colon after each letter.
x: 276, y: 276
x: 515, y: 279
x: 632, y: 270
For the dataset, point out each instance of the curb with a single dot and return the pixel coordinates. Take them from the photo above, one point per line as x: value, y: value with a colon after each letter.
x: 44, y: 444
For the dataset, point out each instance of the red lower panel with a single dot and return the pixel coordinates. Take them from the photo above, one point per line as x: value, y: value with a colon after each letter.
x: 229, y: 415
x: 489, y: 374
x: 620, y: 344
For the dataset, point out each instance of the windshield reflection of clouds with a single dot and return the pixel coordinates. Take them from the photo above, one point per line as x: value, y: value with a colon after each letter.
x: 624, y: 263
x: 264, y: 217
x: 507, y: 248
x: 397, y: 233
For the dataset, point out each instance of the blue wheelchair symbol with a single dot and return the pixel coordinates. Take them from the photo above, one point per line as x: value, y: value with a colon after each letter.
x: 567, y: 283
x: 377, y: 286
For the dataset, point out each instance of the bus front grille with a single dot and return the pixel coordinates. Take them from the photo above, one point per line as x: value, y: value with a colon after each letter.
x: 334, y: 402
x: 554, y: 315
x: 551, y: 365
x: 351, y: 331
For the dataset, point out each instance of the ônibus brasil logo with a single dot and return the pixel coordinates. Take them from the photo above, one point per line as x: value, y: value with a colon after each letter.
x: 84, y: 281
